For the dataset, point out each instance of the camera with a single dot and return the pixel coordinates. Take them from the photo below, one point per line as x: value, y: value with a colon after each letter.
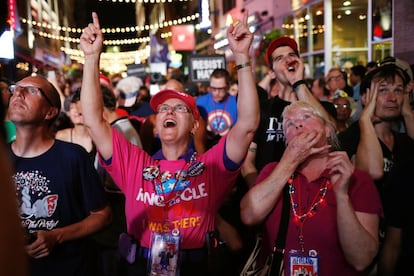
x: 155, y: 77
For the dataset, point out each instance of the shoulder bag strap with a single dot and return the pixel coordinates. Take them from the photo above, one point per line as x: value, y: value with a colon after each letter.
x: 279, y: 248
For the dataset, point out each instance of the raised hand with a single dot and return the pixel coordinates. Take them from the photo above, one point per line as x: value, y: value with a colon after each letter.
x: 91, y: 40
x: 298, y: 73
x: 406, y: 107
x: 370, y: 100
x: 341, y: 170
x: 239, y: 36
x: 304, y: 145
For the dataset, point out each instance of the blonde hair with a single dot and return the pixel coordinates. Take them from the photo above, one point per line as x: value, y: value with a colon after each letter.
x: 293, y: 108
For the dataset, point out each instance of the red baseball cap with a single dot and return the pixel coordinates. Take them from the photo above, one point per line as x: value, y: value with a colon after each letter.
x: 166, y: 94
x: 103, y: 78
x: 278, y: 42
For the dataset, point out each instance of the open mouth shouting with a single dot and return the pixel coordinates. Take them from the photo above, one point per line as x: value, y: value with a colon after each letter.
x: 169, y: 123
x: 291, y: 66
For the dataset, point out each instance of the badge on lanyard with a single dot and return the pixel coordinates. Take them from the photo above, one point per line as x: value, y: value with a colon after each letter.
x: 164, y: 254
x: 302, y: 264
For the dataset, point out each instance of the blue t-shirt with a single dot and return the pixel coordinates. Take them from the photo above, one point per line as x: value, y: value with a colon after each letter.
x: 219, y: 116
x: 55, y: 189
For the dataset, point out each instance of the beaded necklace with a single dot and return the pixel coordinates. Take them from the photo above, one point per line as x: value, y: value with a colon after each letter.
x: 319, y: 199
x: 161, y: 186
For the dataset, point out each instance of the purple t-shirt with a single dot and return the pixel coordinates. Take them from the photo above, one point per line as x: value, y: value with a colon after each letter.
x: 320, y: 231
x: 192, y: 200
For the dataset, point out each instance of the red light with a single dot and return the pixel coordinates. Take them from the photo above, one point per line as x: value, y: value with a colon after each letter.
x: 12, y: 15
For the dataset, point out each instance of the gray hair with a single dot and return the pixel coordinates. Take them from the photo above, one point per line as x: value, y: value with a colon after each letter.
x: 292, y: 108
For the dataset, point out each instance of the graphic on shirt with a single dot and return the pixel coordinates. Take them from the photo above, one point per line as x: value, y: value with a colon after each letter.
x: 172, y: 184
x: 219, y: 122
x: 388, y: 164
x: 189, y: 194
x: 274, y: 130
x: 37, y: 203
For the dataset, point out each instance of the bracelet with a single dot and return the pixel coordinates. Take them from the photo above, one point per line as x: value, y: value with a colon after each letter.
x: 240, y: 66
x: 297, y: 83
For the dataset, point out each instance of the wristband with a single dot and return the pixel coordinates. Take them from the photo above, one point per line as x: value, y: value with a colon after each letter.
x: 240, y: 66
x: 297, y: 83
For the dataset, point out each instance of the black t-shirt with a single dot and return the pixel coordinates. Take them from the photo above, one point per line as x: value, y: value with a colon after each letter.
x: 269, y: 135
x: 402, y: 152
x: 399, y: 211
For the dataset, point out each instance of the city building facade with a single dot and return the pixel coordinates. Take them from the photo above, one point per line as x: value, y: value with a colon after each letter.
x: 331, y: 33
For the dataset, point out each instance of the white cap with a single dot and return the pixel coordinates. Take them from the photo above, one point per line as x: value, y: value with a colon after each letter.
x: 128, y: 90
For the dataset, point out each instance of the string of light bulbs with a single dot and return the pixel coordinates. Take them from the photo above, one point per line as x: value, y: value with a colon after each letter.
x: 114, y: 42
x: 114, y: 30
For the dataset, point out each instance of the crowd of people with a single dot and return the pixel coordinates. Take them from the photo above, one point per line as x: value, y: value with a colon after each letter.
x: 111, y: 179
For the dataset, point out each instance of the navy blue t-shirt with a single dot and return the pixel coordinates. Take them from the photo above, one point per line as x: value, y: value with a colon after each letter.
x: 55, y: 189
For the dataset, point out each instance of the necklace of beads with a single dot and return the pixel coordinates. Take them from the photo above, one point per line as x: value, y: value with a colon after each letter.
x: 319, y: 199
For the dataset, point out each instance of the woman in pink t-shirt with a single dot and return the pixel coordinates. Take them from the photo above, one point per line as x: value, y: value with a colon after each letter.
x: 172, y: 197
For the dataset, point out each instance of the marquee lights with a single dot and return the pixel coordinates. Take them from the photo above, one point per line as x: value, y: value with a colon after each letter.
x: 111, y: 62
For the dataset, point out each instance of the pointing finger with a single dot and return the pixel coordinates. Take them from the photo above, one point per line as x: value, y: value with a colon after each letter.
x: 245, y: 16
x: 95, y: 20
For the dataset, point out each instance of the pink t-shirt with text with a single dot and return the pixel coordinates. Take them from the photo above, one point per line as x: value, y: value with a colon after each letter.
x: 194, y: 200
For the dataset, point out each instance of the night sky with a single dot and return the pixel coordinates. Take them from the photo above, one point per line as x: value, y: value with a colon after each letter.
x: 111, y: 15
x: 117, y: 14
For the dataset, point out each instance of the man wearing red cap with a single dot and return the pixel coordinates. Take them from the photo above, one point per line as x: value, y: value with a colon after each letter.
x: 172, y: 197
x: 283, y: 59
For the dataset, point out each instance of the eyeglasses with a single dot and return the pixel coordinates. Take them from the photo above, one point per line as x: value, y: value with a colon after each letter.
x: 335, y: 78
x: 344, y: 106
x: 29, y: 90
x: 179, y: 108
x: 218, y: 89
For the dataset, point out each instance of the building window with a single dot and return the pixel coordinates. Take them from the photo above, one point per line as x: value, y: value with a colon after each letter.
x: 349, y: 33
x: 318, y: 27
x: 381, y: 19
x: 381, y: 50
x: 348, y: 27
